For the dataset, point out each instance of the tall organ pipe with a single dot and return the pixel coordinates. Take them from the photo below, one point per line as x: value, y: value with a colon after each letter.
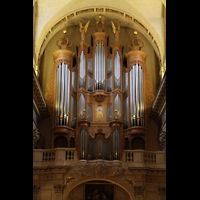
x: 136, y: 96
x: 62, y: 95
x: 99, y: 67
x: 83, y: 143
x: 117, y: 82
x: 82, y: 67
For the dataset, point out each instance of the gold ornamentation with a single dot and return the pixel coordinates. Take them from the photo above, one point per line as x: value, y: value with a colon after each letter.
x: 137, y: 44
x: 114, y: 12
x: 99, y: 112
x: 64, y: 41
x: 83, y: 29
x: 35, y: 176
x: 85, y: 11
x: 70, y: 16
x: 139, y: 178
x: 116, y: 30
x: 129, y: 181
x: 100, y: 26
x: 68, y: 180
x: 59, y: 175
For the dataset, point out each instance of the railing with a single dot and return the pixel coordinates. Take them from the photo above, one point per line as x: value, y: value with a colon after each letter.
x: 57, y: 156
x: 68, y: 156
x: 142, y: 158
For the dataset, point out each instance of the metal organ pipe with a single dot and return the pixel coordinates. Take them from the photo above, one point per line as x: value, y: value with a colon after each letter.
x: 62, y: 95
x: 83, y: 143
x: 82, y: 67
x: 117, y: 82
x: 99, y: 67
x: 136, y: 96
x: 116, y: 144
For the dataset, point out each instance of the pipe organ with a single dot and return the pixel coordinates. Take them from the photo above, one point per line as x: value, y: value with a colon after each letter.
x: 102, y: 99
x: 99, y: 67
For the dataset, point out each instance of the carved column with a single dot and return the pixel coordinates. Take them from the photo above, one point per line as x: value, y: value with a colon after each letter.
x: 139, y: 192
x: 59, y: 189
x: 36, y: 190
x: 162, y: 193
x: 36, y: 137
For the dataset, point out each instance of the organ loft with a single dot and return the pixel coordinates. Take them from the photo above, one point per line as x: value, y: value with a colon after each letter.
x: 99, y: 101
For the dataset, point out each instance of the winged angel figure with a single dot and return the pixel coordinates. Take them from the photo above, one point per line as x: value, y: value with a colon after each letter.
x: 83, y: 29
x: 116, y: 30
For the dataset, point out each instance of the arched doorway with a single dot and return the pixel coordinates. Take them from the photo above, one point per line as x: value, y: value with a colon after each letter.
x: 85, y: 188
x: 137, y: 143
x: 61, y: 141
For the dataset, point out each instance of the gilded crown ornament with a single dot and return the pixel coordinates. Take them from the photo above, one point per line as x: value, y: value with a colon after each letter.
x: 83, y: 29
x: 100, y: 26
x: 65, y: 43
x: 137, y: 44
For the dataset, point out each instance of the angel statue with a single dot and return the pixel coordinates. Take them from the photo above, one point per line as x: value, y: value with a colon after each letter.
x: 116, y: 30
x: 83, y: 29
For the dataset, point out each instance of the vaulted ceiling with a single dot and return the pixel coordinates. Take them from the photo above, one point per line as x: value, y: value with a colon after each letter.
x: 146, y: 16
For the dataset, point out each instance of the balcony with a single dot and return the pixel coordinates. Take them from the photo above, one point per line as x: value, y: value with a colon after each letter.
x: 53, y: 157
x: 68, y: 157
x: 142, y: 158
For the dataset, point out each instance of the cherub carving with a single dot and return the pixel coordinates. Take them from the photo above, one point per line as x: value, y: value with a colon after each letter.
x: 83, y: 29
x: 116, y: 30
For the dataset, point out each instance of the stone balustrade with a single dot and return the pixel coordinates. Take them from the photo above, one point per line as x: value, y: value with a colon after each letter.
x: 68, y: 156
x: 56, y: 156
x: 142, y: 158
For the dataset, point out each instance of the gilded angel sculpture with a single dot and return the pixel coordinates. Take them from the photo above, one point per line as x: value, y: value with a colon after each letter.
x: 116, y: 30
x: 83, y: 29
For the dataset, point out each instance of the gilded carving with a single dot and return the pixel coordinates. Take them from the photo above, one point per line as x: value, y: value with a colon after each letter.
x: 99, y: 112
x: 59, y: 188
x: 83, y: 29
x: 116, y: 30
x: 99, y: 169
x: 68, y: 180
x: 129, y: 181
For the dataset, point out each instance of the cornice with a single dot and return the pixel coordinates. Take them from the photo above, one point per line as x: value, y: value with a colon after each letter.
x: 145, y: 170
x: 38, y: 97
x: 49, y: 168
x: 160, y: 99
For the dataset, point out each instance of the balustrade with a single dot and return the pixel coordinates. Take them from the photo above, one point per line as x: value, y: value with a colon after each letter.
x: 57, y: 156
x: 68, y: 156
x: 141, y: 158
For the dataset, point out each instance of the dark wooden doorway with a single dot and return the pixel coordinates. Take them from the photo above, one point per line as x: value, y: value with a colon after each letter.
x: 137, y: 143
x: 60, y: 141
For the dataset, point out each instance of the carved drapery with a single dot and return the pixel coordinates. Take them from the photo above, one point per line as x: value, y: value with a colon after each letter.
x: 99, y: 169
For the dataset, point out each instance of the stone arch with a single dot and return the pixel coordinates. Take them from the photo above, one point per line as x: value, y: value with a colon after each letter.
x: 45, y: 34
x: 119, y: 183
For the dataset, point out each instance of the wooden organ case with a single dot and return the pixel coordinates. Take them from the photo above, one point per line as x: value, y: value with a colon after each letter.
x: 97, y: 102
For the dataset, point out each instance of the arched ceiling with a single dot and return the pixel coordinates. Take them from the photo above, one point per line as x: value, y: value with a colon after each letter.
x: 144, y: 17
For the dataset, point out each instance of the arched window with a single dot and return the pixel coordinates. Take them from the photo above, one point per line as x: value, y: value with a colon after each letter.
x: 137, y: 143
x: 60, y: 141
